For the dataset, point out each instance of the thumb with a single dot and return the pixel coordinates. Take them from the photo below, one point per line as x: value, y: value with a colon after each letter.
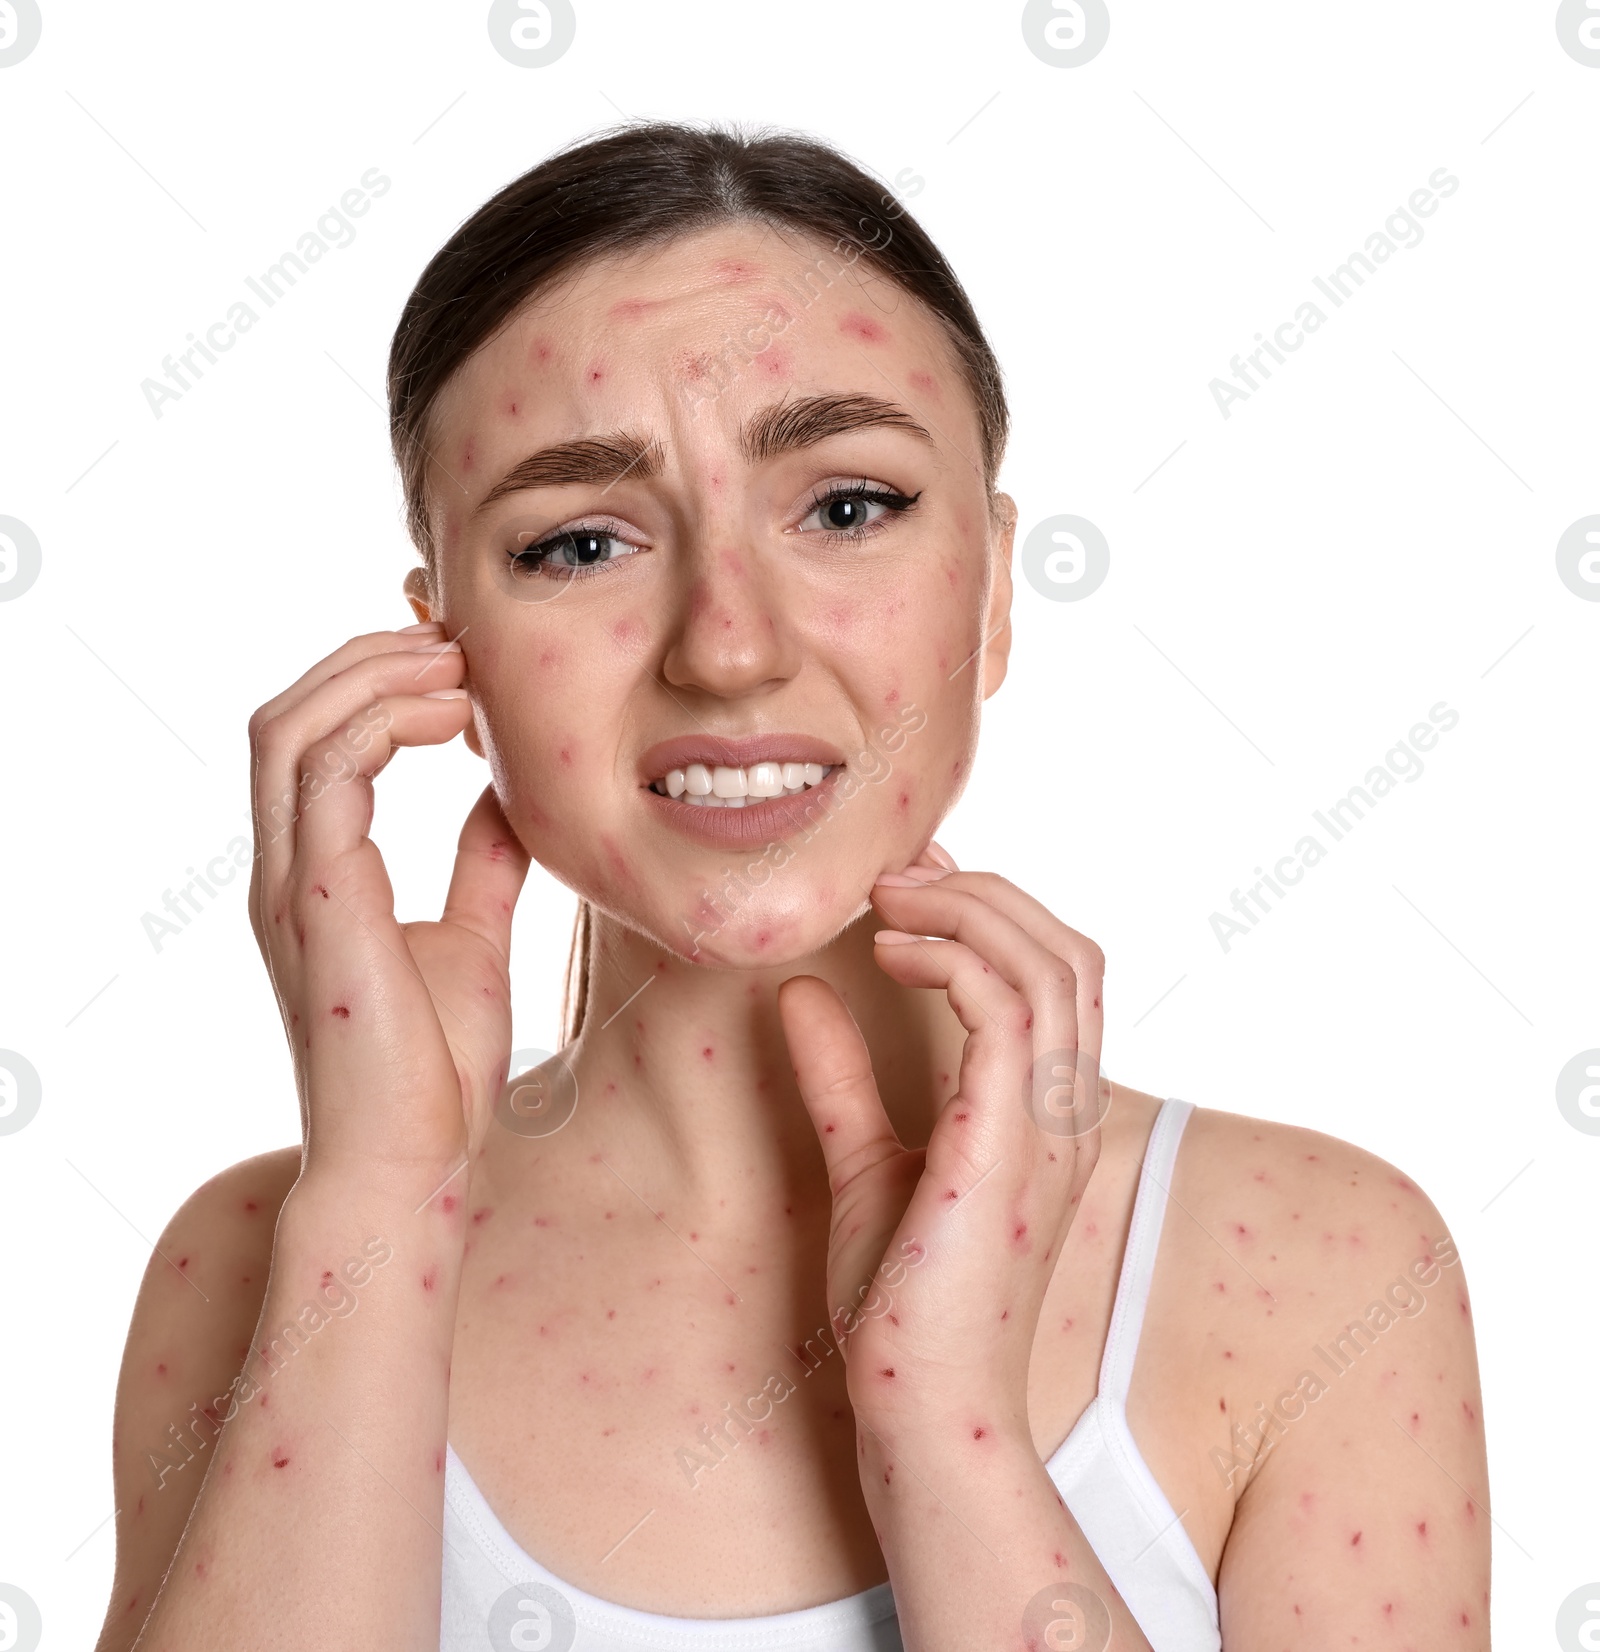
x: 834, y: 1073
x: 490, y: 868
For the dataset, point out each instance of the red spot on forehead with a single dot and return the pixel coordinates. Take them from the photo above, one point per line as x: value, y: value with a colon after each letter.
x: 341, y: 1011
x: 926, y: 384
x: 856, y: 325
x: 775, y: 362
x: 467, y: 455
x: 539, y: 350
x: 732, y: 561
x: 595, y: 374
x: 630, y: 309
x: 734, y: 270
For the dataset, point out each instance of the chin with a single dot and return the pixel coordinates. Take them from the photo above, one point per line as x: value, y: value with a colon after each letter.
x: 732, y: 923
x: 754, y: 940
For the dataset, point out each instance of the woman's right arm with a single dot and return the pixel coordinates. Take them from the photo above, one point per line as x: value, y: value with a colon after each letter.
x: 318, y: 1515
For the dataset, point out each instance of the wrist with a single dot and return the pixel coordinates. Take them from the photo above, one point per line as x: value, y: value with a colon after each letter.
x: 954, y: 1427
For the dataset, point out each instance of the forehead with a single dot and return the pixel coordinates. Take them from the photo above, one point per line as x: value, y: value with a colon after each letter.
x: 752, y: 302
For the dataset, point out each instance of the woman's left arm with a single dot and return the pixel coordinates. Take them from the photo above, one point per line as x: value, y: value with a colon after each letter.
x: 939, y: 1261
x: 1363, y: 1507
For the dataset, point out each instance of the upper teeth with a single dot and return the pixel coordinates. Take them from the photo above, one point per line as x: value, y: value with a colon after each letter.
x: 728, y: 788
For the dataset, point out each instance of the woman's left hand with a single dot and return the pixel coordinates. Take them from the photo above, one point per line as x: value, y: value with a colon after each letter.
x: 939, y: 1259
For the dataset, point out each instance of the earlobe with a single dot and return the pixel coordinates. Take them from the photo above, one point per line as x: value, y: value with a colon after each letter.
x: 418, y: 593
x: 997, y: 625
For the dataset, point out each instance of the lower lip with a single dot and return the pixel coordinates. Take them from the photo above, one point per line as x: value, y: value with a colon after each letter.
x: 767, y: 820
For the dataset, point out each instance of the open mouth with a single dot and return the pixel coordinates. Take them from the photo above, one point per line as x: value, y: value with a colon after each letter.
x: 705, y: 786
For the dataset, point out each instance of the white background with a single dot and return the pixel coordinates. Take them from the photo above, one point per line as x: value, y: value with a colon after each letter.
x: 1371, y: 533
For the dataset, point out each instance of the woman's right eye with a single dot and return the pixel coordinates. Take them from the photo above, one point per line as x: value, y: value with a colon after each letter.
x: 571, y: 553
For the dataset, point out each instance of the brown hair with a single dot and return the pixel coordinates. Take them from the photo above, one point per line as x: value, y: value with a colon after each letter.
x: 641, y: 185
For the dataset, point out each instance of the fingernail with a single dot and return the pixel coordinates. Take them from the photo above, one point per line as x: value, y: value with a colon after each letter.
x: 412, y: 630
x: 896, y: 881
x: 445, y: 694
x: 893, y: 937
x: 436, y: 648
x: 927, y: 874
x: 942, y: 856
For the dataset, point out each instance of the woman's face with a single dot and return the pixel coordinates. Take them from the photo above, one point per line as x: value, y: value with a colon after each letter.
x: 719, y: 506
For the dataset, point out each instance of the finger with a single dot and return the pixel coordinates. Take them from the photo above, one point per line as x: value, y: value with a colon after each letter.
x: 347, y: 655
x: 344, y: 701
x: 1086, y: 959
x: 940, y: 856
x: 997, y: 1060
x: 834, y: 1073
x: 1044, y: 980
x: 335, y: 790
x: 491, y: 866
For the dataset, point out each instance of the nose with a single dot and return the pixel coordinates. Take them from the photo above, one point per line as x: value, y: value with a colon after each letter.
x: 731, y: 637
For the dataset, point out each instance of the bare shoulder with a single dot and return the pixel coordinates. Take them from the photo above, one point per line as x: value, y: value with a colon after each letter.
x: 1322, y: 1293
x: 1314, y: 1211
x: 197, y: 1307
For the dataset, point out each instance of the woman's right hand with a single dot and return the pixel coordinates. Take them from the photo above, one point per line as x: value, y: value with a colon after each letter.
x: 401, y: 1032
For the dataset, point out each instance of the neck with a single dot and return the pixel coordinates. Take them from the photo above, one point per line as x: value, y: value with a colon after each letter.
x: 693, y: 1077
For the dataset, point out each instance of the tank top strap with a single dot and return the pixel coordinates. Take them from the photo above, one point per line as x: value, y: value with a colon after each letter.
x: 1139, y: 1256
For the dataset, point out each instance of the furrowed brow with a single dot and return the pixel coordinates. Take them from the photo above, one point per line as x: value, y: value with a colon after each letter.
x: 594, y: 459
x: 788, y: 425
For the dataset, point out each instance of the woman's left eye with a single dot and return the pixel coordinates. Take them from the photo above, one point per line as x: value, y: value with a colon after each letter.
x: 849, y: 511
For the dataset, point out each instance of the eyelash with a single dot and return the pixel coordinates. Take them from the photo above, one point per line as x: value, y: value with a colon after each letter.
x: 898, y: 503
x: 528, y: 560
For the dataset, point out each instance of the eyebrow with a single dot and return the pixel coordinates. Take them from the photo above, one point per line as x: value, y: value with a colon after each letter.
x: 784, y: 427
x: 592, y: 459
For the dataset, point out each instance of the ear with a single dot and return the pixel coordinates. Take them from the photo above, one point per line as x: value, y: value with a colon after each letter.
x: 997, y: 626
x: 418, y: 588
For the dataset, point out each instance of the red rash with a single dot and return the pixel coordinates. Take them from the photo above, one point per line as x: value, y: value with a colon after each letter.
x: 863, y: 327
x: 926, y: 383
x: 280, y: 1460
x: 341, y: 1011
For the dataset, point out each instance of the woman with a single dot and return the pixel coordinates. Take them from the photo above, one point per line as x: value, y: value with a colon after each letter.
x: 788, y: 1307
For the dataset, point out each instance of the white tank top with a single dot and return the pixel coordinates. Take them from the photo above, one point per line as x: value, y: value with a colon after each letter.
x: 497, y: 1596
